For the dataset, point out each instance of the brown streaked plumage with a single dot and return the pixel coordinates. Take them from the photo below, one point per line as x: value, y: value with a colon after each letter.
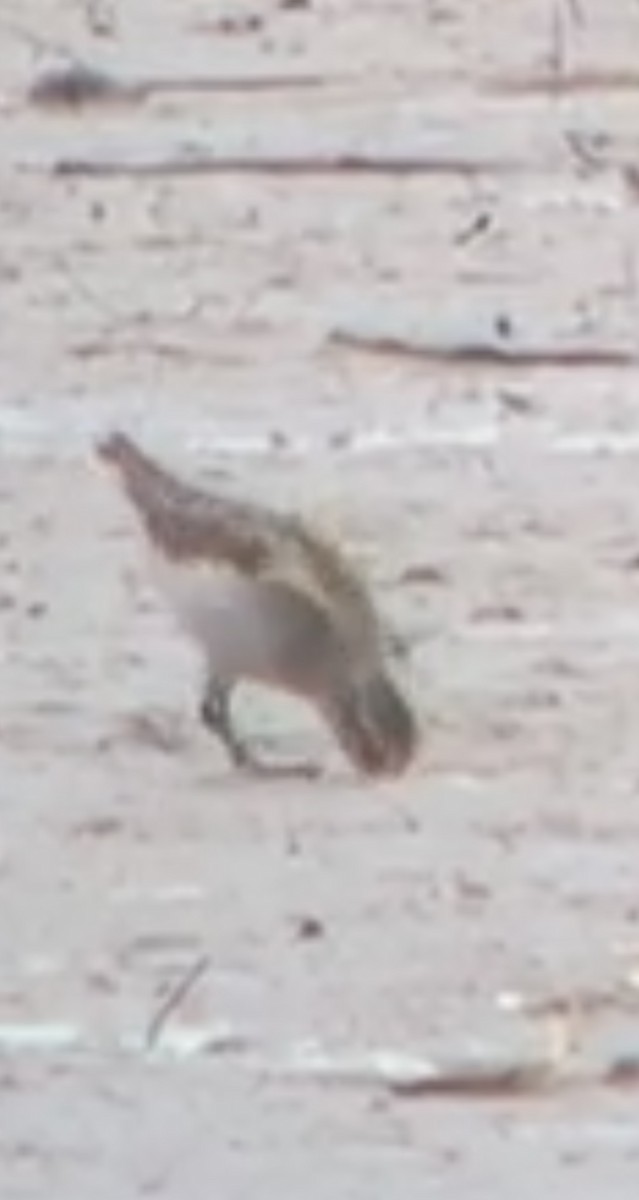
x: 269, y: 601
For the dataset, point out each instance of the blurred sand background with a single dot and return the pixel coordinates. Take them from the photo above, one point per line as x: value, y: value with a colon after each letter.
x: 248, y: 323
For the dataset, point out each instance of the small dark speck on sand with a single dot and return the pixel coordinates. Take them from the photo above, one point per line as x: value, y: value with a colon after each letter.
x: 309, y: 929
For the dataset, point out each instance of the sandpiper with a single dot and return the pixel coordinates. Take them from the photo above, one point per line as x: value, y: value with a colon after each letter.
x: 269, y: 601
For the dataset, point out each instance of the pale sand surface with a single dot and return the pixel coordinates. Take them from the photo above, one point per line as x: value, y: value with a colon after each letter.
x: 496, y: 509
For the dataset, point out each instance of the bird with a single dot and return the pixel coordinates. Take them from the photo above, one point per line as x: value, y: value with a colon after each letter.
x: 268, y: 600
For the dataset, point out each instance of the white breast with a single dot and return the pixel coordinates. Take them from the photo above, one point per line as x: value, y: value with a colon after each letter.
x: 220, y: 609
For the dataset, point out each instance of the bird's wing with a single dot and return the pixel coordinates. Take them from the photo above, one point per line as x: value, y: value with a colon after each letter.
x: 187, y: 522
x: 317, y: 567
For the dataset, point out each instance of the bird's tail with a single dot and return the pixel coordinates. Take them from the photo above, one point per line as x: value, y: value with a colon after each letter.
x: 183, y: 520
x: 145, y: 481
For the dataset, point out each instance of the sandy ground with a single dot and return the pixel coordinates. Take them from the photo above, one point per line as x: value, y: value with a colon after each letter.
x: 496, y: 508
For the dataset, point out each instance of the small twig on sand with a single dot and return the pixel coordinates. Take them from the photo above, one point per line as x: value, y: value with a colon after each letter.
x: 589, y: 150
x: 572, y: 82
x: 77, y: 84
x: 205, y: 163
x: 487, y: 354
x: 174, y: 998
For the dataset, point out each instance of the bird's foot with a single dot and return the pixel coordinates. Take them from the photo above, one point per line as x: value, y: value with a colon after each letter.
x: 259, y: 768
x: 216, y: 716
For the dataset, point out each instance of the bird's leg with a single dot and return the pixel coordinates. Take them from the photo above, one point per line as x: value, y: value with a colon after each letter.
x: 215, y: 712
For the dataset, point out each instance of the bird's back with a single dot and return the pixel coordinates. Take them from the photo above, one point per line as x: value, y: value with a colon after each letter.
x: 191, y: 524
